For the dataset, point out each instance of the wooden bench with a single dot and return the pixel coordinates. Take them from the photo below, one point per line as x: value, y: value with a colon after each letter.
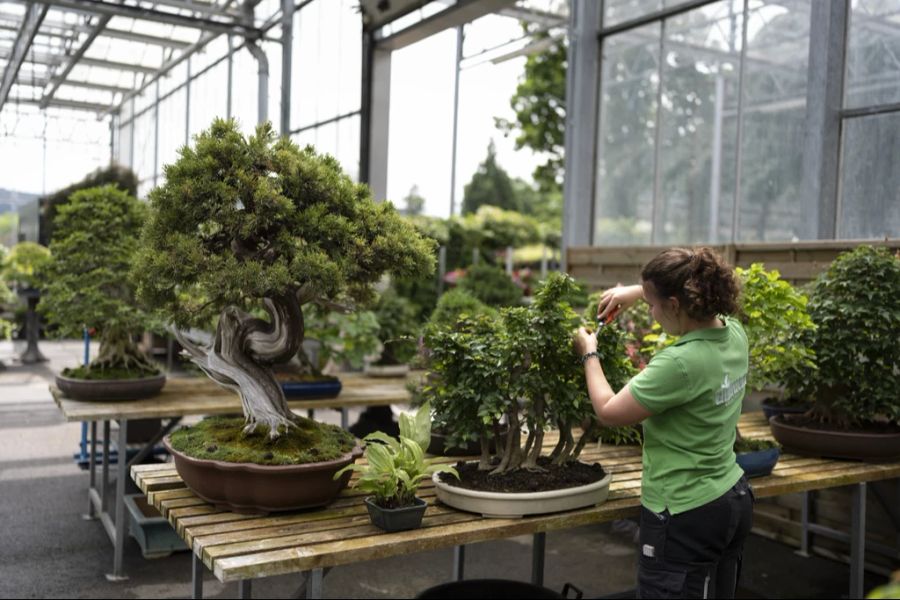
x: 240, y: 547
x: 183, y: 397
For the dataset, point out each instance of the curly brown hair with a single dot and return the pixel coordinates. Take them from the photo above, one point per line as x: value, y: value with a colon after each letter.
x: 703, y: 282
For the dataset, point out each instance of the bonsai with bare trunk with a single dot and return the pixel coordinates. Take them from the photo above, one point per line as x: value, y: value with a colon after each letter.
x: 249, y: 230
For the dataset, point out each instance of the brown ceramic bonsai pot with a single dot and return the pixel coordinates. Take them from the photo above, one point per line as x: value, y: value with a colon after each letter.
x: 260, y: 489
x: 111, y: 390
x: 853, y: 445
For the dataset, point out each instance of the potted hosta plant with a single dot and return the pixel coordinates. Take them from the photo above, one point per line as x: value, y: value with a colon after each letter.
x: 249, y: 224
x: 398, y: 334
x: 519, y: 368
x: 775, y: 319
x: 855, y: 306
x: 393, y: 471
x: 22, y: 267
x: 87, y: 284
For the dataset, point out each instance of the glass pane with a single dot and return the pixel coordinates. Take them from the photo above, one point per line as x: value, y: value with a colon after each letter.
x: 629, y: 83
x: 873, y: 53
x: 699, y: 125
x: 327, y: 62
x: 870, y: 190
x: 774, y: 108
x: 172, y: 128
x: 619, y: 11
x: 209, y: 99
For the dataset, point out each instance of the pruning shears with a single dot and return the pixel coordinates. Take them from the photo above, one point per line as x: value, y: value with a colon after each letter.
x: 607, y: 320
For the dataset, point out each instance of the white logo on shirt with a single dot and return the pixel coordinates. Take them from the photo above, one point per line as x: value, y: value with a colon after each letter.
x: 729, y: 390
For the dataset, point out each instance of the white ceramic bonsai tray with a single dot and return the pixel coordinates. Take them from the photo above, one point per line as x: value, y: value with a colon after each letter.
x: 513, y: 505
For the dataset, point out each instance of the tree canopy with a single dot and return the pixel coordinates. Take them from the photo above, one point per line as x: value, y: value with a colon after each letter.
x: 243, y: 218
x: 490, y: 186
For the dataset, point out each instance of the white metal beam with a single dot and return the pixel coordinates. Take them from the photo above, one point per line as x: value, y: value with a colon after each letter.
x: 63, y: 103
x: 464, y: 11
x: 235, y: 25
x: 58, y: 80
x: 31, y: 22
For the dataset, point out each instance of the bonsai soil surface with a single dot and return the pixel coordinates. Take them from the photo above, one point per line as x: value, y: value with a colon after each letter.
x: 750, y: 445
x: 97, y: 374
x: 222, y: 438
x: 572, y: 474
x: 808, y: 423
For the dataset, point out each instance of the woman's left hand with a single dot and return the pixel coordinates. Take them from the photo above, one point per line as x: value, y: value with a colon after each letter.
x: 585, y: 341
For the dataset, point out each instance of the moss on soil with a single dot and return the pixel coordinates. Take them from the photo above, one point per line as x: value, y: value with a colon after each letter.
x: 99, y: 374
x: 222, y: 438
x: 748, y: 445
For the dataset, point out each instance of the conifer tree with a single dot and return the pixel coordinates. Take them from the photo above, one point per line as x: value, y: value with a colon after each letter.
x: 244, y: 224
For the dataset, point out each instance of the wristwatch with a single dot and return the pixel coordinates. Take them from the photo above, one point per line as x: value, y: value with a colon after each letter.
x: 587, y: 356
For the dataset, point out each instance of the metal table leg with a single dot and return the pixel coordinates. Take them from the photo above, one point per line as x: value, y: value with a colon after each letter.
x: 459, y: 562
x: 315, y: 586
x: 804, y: 524
x: 92, y: 469
x: 537, y: 558
x: 345, y: 418
x: 118, y: 573
x: 244, y: 589
x: 858, y: 540
x: 196, y: 577
x: 105, y: 479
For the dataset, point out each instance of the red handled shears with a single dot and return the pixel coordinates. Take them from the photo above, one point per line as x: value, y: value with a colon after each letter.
x: 608, y: 319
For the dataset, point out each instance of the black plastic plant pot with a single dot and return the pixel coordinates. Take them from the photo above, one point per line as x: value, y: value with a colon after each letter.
x: 496, y: 588
x: 759, y: 463
x: 397, y: 519
x: 772, y: 409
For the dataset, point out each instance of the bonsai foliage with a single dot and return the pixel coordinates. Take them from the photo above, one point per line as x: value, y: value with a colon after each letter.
x: 6, y: 297
x: 520, y: 366
x: 397, y: 328
x: 491, y: 285
x: 855, y: 306
x: 23, y: 264
x: 396, y: 468
x: 774, y: 316
x: 87, y: 281
x: 456, y: 303
x: 247, y: 222
x: 344, y: 337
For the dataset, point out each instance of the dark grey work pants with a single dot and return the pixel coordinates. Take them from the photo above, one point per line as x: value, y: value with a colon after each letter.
x: 695, y: 554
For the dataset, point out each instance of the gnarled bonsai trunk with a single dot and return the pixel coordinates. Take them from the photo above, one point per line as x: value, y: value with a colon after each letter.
x: 587, y: 435
x: 241, y: 355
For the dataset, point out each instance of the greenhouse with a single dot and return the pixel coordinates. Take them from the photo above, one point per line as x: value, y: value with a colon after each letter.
x: 450, y: 298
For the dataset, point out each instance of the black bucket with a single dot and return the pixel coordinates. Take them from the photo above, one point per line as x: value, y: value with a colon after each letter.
x: 495, y: 588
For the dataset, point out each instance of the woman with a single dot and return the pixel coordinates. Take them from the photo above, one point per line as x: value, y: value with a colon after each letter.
x: 696, y: 504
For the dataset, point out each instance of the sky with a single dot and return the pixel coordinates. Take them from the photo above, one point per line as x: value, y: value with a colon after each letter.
x: 421, y: 122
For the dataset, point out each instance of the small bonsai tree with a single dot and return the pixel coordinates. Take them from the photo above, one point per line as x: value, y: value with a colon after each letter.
x: 87, y: 281
x: 23, y: 264
x: 519, y: 365
x: 247, y: 223
x: 775, y: 319
x: 454, y: 304
x: 855, y: 306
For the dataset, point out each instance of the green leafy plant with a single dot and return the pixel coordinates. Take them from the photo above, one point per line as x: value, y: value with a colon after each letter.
x: 455, y: 303
x: 491, y: 285
x: 855, y: 306
x: 344, y: 337
x: 23, y: 264
x: 397, y: 328
x: 518, y: 365
x: 394, y: 468
x: 87, y: 280
x: 249, y: 223
x: 776, y: 321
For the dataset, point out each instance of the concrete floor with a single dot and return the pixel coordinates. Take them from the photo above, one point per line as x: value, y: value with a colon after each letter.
x: 48, y: 551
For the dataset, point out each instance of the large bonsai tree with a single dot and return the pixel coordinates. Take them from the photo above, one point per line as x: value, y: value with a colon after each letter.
x: 87, y: 283
x: 243, y: 224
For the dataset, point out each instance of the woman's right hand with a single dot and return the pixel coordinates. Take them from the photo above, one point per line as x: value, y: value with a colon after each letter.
x: 618, y: 299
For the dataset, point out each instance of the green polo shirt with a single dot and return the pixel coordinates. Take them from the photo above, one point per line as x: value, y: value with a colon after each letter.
x: 695, y: 389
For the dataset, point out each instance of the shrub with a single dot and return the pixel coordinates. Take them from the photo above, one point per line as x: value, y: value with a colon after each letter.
x: 491, y: 285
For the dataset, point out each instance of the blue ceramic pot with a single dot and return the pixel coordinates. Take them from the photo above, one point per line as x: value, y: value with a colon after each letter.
x: 759, y: 463
x: 312, y: 390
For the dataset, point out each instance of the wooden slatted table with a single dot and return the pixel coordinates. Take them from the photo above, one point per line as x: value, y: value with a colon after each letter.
x: 240, y: 547
x: 182, y: 397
